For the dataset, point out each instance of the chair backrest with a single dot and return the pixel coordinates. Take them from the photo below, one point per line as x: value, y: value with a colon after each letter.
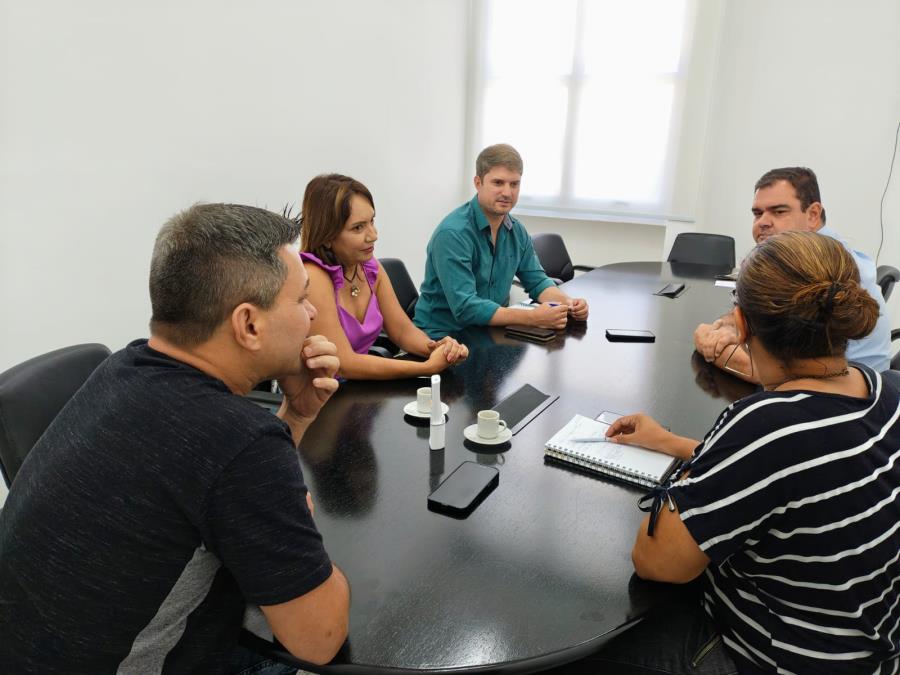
x: 406, y: 290
x: 704, y: 249
x: 886, y: 276
x: 551, y: 251
x: 32, y: 394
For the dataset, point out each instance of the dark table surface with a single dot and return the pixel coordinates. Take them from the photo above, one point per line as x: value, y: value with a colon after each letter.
x: 540, y: 573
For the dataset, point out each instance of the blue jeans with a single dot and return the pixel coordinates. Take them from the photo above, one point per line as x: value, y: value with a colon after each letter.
x: 677, y: 639
x: 247, y: 662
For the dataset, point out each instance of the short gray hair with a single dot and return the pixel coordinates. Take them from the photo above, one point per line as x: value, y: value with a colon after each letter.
x: 209, y: 259
x: 498, y: 155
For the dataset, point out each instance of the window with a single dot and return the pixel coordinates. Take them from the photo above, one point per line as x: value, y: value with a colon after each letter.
x: 589, y: 92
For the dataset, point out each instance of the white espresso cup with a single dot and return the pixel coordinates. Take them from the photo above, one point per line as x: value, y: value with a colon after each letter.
x: 490, y: 424
x: 423, y: 399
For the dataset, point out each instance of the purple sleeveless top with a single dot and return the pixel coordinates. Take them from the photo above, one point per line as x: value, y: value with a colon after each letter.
x: 361, y: 335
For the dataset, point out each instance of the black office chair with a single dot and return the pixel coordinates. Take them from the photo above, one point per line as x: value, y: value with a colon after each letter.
x: 895, y: 362
x: 892, y: 374
x: 406, y: 290
x: 703, y: 249
x: 32, y: 394
x: 886, y: 276
x: 554, y: 257
x: 407, y: 295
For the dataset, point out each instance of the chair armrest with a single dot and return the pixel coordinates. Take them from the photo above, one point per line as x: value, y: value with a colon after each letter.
x: 375, y: 350
x: 271, y: 650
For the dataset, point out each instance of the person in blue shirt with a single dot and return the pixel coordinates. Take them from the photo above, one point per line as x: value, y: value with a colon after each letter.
x: 476, y: 251
x: 785, y: 200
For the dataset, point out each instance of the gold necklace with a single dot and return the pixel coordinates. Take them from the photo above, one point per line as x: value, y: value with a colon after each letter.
x: 354, y: 289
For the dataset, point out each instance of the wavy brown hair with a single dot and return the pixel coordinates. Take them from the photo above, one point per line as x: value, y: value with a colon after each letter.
x: 801, y: 296
x: 326, y: 208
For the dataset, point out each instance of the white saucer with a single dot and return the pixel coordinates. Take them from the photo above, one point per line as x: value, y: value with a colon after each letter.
x: 471, y: 434
x: 413, y: 411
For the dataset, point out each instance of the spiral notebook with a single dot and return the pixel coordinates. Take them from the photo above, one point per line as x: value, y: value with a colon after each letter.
x: 629, y: 463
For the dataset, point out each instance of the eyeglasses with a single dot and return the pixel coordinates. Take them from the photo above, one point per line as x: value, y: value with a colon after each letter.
x: 725, y: 365
x: 746, y: 346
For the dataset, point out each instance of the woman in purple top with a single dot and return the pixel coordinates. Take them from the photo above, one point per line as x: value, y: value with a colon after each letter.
x: 352, y: 295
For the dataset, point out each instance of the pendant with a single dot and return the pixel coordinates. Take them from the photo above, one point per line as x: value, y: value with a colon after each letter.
x: 354, y: 290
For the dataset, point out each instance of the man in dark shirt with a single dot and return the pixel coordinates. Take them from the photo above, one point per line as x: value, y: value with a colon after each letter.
x: 160, y: 501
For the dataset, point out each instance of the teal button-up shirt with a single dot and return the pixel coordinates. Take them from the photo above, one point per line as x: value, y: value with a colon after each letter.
x: 467, y: 278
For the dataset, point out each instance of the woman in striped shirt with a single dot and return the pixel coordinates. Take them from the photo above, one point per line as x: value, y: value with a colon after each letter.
x: 789, y: 509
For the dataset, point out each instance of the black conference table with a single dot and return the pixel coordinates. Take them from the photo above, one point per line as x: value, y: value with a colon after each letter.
x: 540, y: 573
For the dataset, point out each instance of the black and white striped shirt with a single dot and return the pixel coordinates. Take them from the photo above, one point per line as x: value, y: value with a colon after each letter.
x: 795, y: 498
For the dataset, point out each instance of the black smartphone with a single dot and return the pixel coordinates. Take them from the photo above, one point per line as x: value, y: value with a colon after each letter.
x: 464, y: 489
x: 671, y: 290
x: 531, y: 333
x: 622, y: 335
x: 522, y: 406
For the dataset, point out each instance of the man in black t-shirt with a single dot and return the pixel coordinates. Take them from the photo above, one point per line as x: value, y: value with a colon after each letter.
x: 160, y: 501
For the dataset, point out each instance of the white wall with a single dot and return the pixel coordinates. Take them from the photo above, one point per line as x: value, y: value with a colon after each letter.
x: 812, y: 83
x: 115, y: 115
x: 596, y: 243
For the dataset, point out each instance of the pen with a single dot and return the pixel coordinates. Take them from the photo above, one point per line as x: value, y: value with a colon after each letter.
x: 590, y: 439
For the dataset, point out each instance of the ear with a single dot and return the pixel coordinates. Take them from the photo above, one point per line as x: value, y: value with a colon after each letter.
x: 741, y: 325
x: 246, y: 323
x: 814, y: 216
x: 477, y: 181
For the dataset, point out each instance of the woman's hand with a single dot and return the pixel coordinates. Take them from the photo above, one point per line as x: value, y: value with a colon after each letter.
x: 643, y: 430
x: 455, y: 352
x: 437, y: 360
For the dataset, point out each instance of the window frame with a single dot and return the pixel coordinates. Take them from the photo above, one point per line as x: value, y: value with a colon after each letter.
x: 565, y: 205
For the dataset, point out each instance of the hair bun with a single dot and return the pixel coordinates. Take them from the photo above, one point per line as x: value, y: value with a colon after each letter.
x: 843, y: 307
x: 853, y: 312
x: 815, y: 301
x: 801, y: 295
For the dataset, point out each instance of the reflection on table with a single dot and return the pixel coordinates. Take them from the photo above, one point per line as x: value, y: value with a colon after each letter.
x: 540, y: 573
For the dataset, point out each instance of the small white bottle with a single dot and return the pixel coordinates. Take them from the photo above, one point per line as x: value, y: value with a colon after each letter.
x: 436, y: 434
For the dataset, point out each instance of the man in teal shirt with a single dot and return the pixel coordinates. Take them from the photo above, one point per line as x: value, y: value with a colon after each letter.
x: 476, y: 251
